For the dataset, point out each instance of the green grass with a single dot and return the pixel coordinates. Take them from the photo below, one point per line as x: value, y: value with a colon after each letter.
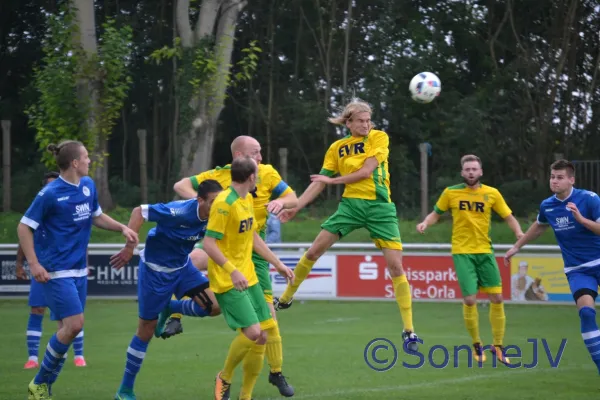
x: 324, y: 344
x: 302, y: 229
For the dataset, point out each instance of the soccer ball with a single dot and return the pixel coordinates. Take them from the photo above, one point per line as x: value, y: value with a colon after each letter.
x: 425, y: 87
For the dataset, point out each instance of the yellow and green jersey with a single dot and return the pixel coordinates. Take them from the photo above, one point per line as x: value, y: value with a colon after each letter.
x: 348, y: 155
x: 269, y: 186
x: 472, y: 216
x: 231, y: 222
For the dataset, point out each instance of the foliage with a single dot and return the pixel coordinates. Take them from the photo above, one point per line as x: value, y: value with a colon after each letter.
x: 66, y: 72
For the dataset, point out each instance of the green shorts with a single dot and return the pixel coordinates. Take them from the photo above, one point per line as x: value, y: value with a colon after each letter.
x: 261, y: 266
x: 244, y: 309
x: 378, y: 217
x: 477, y: 271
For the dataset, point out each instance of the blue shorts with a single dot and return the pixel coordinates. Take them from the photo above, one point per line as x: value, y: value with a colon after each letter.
x: 65, y: 297
x: 155, y: 289
x: 36, y: 294
x: 584, y: 278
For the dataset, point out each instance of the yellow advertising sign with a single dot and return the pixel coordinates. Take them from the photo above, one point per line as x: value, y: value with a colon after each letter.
x: 539, y: 278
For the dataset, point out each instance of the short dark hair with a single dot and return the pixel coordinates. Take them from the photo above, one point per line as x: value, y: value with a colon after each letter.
x: 65, y: 152
x: 48, y: 176
x: 560, y: 165
x: 207, y: 187
x: 242, y: 168
x: 469, y: 158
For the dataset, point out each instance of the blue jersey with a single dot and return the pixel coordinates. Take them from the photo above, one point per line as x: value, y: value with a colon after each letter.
x: 63, y: 212
x: 178, y: 228
x: 580, y: 247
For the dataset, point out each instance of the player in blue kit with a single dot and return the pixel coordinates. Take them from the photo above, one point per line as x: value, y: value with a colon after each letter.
x: 38, y: 305
x: 65, y: 210
x: 574, y: 215
x: 165, y: 269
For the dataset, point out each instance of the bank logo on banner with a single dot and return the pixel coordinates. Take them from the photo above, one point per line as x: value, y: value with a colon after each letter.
x: 320, y: 283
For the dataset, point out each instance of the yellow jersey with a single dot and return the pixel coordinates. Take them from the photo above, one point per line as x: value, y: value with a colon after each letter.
x: 231, y: 222
x: 269, y: 186
x: 472, y: 216
x: 348, y: 155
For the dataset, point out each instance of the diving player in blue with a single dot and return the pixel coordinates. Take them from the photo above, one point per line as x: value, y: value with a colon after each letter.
x: 65, y: 209
x: 574, y: 215
x: 165, y: 269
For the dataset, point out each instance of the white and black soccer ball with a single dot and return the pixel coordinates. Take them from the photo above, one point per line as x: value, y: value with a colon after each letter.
x: 425, y: 87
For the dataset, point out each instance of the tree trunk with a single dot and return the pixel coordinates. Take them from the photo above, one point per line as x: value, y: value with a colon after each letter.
x: 87, y: 39
x: 198, y: 142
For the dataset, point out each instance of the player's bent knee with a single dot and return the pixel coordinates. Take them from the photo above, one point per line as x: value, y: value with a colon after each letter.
x: 145, y: 329
x: 262, y: 338
x: 581, y: 300
x: 199, y: 259
x: 204, y: 297
x: 252, y: 332
x: 470, y: 300
x: 495, y: 298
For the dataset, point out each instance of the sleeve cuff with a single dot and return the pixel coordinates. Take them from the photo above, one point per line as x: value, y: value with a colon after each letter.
x: 98, y: 212
x: 214, y: 235
x: 438, y: 210
x: 326, y: 172
x: 144, y: 208
x: 30, y: 223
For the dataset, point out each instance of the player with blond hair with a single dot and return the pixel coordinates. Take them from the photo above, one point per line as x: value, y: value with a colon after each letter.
x: 361, y: 160
x: 472, y: 204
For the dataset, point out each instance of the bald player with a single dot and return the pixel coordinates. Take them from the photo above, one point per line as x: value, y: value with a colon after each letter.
x: 271, y: 195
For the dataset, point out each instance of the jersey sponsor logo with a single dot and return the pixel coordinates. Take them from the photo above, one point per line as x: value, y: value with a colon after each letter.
x: 86, y: 191
x: 82, y: 211
x: 223, y: 212
x: 175, y: 211
x: 63, y: 198
x: 350, y: 149
x: 194, y: 238
x: 465, y: 205
x: 246, y: 225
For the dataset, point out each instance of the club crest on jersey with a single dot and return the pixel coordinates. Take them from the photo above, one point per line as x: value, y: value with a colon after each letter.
x: 86, y: 191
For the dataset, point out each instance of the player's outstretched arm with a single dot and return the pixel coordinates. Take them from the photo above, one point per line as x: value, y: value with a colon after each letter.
x: 263, y: 250
x: 514, y: 226
x: 364, y: 172
x: 311, y: 193
x: 286, y: 202
x: 429, y: 220
x: 185, y: 189
x: 26, y: 242
x: 105, y: 222
x: 534, y: 232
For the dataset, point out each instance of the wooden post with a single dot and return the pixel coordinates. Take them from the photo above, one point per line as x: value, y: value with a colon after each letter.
x: 143, y: 166
x: 6, y: 165
x: 283, y: 162
x: 424, y: 149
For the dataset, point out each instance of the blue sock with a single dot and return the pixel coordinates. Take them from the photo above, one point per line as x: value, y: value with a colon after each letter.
x: 78, y: 344
x: 34, y: 334
x: 54, y: 353
x: 135, y: 356
x: 187, y: 307
x: 52, y: 378
x: 590, y: 333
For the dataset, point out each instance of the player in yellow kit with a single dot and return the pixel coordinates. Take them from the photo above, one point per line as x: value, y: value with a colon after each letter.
x: 230, y: 238
x: 361, y: 160
x: 272, y: 194
x: 472, y: 204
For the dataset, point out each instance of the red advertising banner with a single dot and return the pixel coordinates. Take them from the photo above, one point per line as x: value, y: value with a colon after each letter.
x: 430, y: 277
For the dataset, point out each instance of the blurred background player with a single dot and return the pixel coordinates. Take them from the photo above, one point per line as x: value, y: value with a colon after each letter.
x: 471, y: 204
x: 574, y: 216
x: 65, y: 209
x: 361, y: 159
x: 271, y: 195
x: 230, y: 239
x: 165, y: 268
x: 37, y: 302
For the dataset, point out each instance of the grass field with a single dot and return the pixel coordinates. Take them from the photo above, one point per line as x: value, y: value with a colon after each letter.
x: 324, y: 345
x: 302, y: 229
